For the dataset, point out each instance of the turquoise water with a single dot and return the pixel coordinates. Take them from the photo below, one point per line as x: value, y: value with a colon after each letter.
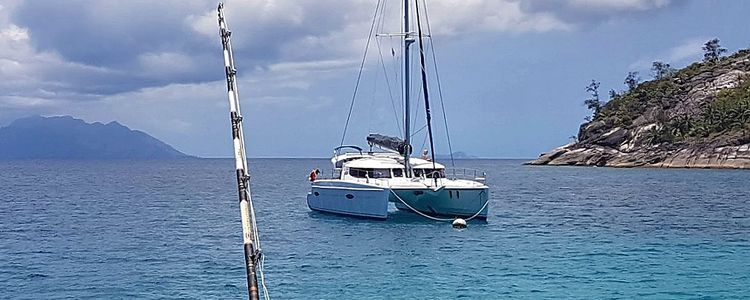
x: 170, y: 230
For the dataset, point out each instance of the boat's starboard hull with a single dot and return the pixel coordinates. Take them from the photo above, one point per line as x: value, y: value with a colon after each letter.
x: 465, y: 202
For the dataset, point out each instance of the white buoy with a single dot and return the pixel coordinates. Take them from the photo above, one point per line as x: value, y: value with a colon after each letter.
x: 459, y: 223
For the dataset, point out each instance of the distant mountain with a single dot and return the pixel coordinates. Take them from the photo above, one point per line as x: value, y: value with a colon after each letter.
x: 69, y: 138
x: 456, y: 155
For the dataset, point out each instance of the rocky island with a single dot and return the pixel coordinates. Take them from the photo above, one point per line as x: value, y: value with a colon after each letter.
x: 696, y: 117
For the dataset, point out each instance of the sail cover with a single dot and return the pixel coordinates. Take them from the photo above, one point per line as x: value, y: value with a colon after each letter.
x: 388, y: 142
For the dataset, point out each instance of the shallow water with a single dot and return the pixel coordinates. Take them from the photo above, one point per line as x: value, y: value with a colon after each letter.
x: 171, y: 230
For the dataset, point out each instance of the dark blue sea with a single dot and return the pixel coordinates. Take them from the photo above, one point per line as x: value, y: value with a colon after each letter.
x: 171, y: 230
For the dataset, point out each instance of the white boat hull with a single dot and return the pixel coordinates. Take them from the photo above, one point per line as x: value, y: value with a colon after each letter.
x: 349, y: 198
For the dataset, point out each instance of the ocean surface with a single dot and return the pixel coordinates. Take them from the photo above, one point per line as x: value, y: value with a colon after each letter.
x: 171, y: 230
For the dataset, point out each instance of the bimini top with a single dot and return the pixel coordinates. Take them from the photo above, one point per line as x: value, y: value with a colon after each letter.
x: 374, y: 163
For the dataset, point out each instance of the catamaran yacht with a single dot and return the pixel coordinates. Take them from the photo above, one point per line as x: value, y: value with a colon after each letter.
x: 363, y: 183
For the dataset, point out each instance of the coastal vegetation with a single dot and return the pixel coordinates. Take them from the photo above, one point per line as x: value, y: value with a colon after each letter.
x: 728, y: 116
x: 700, y: 113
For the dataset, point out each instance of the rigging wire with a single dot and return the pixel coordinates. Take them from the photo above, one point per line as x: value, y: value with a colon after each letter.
x: 359, y: 74
x: 263, y: 277
x: 427, y: 113
x: 439, y: 86
x: 262, y: 262
x: 385, y: 70
x: 398, y: 78
x: 374, y: 119
x: 416, y: 112
x: 418, y: 130
x: 424, y: 70
x: 424, y: 140
x: 418, y: 100
x: 397, y: 62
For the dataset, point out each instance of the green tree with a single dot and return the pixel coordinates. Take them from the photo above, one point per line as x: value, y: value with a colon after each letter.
x: 632, y: 80
x: 613, y: 94
x: 661, y: 70
x: 593, y: 102
x: 712, y: 51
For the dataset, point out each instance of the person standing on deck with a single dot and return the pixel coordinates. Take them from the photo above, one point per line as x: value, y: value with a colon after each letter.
x: 313, y: 175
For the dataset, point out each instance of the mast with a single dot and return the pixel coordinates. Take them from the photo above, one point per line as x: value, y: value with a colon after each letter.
x: 424, y: 87
x: 408, y: 40
x: 251, y: 244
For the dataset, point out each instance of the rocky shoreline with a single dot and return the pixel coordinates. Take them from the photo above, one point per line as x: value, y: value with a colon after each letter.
x: 698, y: 117
x: 728, y: 157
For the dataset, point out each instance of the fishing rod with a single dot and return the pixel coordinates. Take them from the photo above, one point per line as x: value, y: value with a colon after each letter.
x: 251, y: 243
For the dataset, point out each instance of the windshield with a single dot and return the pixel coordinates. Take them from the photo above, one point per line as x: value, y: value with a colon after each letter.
x: 370, y: 173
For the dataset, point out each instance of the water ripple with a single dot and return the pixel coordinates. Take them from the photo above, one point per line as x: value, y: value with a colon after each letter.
x: 170, y: 230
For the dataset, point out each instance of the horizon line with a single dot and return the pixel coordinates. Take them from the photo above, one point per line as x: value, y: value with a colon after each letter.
x: 311, y: 157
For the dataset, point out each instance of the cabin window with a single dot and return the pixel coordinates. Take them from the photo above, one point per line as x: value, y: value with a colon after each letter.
x: 429, y: 173
x: 370, y: 173
x: 381, y: 173
x: 398, y: 173
x: 358, y: 173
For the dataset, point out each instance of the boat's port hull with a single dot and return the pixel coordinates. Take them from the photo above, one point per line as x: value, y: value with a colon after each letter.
x: 349, y: 198
x: 462, y: 202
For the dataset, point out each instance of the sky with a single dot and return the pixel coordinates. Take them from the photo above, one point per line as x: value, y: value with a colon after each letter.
x: 512, y: 73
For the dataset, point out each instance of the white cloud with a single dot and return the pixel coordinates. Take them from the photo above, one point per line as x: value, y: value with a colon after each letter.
x: 312, y: 66
x: 165, y: 64
x: 576, y: 12
x: 27, y: 102
x: 689, y: 50
x: 38, y: 79
x: 307, y: 31
x: 297, y: 43
x: 288, y: 39
x: 679, y: 55
x: 285, y: 48
x: 452, y: 17
x: 618, y: 5
x: 13, y: 33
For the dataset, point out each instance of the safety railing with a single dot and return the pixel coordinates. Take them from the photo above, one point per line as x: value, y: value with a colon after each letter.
x: 466, y: 173
x: 450, y: 173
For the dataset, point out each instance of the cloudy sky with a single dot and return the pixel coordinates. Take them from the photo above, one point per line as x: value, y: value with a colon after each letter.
x: 512, y: 72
